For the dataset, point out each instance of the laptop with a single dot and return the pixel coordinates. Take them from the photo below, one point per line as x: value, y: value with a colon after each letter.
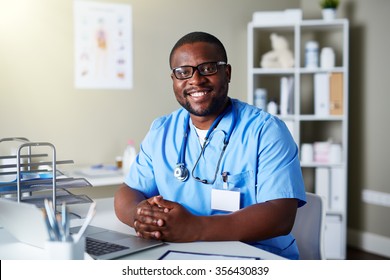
x: 27, y: 224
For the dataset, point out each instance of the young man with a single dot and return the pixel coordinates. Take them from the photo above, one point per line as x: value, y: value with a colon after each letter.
x: 217, y: 168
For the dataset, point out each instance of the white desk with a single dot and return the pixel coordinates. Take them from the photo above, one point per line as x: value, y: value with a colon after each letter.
x: 97, y: 177
x: 10, y: 248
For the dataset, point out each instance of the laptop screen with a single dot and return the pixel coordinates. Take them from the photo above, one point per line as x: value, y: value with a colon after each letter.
x: 24, y: 221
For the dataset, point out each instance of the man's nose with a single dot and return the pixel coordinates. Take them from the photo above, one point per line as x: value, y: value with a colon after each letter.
x: 197, y: 77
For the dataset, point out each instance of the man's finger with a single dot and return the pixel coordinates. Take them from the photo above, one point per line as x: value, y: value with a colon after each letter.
x: 163, y: 203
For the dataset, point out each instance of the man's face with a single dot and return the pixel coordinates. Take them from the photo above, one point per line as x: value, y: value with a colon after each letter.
x: 201, y: 95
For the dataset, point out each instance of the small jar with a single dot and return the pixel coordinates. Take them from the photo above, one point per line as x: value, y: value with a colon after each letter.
x: 311, y: 54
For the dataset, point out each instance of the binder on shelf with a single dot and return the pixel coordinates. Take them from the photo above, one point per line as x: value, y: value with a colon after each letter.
x: 321, y: 94
x: 337, y: 192
x: 322, y: 184
x: 332, y: 239
x: 336, y: 93
x: 287, y: 96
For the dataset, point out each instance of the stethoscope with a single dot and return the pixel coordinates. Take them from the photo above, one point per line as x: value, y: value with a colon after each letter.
x: 181, y: 171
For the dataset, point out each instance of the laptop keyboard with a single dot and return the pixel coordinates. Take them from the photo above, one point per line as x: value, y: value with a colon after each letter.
x: 98, y: 248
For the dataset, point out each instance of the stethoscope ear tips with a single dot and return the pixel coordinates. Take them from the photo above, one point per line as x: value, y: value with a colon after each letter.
x: 181, y: 172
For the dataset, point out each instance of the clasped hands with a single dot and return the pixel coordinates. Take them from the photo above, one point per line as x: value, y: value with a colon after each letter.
x: 157, y: 218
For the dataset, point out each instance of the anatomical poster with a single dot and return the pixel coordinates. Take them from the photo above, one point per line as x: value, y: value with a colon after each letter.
x: 103, y: 45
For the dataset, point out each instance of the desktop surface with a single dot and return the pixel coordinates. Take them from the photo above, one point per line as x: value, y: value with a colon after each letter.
x: 12, y: 249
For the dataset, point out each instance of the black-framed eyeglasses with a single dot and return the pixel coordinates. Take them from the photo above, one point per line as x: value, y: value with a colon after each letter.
x: 204, y: 69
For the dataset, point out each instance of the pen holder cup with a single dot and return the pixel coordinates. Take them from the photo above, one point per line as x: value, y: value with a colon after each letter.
x: 57, y: 250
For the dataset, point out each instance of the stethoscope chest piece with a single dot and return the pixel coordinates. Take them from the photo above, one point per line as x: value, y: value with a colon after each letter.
x: 181, y: 172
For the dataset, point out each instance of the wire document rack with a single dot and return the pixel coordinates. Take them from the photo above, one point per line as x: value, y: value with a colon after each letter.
x: 29, y: 173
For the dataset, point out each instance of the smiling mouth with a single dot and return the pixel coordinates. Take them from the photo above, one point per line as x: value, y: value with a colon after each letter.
x: 198, y: 93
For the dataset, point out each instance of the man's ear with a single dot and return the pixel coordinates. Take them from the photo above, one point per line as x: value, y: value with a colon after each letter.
x: 228, y: 72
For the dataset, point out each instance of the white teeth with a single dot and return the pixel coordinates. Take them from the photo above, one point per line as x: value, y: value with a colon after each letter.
x: 197, y: 94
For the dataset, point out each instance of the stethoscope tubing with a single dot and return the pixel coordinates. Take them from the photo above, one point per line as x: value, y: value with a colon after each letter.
x: 181, y: 160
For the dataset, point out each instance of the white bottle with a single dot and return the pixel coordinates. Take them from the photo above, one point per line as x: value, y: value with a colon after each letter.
x: 260, y: 99
x: 129, y: 156
x: 272, y: 107
x: 327, y: 58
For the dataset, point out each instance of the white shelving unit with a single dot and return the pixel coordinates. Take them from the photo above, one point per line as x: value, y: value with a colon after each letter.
x: 327, y: 179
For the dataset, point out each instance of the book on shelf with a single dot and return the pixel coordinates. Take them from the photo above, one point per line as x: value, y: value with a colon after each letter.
x: 321, y: 94
x: 322, y: 184
x: 336, y: 93
x: 337, y: 194
x: 328, y: 94
x: 286, y: 96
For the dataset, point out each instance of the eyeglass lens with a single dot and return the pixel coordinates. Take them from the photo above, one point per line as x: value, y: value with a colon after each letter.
x: 204, y: 69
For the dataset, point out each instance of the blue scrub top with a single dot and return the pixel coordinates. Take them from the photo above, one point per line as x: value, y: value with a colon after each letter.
x: 261, y: 160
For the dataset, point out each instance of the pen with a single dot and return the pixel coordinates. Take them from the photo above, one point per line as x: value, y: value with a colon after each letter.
x: 65, y: 224
x: 88, y: 219
x: 52, y: 236
x: 52, y: 220
x: 225, y: 180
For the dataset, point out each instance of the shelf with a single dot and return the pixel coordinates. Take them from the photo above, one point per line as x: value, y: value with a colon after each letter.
x: 308, y: 118
x: 312, y: 24
x: 287, y: 117
x: 304, y: 70
x: 268, y: 71
x: 274, y: 27
x: 291, y: 71
x: 323, y: 24
x: 313, y: 100
x: 317, y: 164
x: 320, y: 118
x: 62, y: 196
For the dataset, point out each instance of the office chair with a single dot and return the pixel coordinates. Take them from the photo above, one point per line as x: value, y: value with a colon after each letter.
x: 308, y: 228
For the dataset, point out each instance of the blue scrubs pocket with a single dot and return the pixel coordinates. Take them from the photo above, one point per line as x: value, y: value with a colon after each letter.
x: 245, y: 183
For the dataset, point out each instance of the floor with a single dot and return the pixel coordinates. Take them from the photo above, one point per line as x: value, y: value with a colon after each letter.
x: 357, y: 254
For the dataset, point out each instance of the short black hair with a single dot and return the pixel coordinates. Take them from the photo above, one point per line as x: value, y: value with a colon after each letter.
x: 197, y: 36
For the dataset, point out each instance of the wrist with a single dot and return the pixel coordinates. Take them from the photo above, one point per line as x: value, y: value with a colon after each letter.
x: 205, y: 226
x: 215, y: 228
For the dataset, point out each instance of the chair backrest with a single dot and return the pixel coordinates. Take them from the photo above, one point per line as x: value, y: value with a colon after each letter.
x: 308, y: 228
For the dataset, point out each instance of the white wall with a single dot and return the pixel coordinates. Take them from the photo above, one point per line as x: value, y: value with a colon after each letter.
x: 37, y: 96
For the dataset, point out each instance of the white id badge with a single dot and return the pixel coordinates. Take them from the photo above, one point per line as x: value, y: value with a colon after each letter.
x: 225, y: 200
